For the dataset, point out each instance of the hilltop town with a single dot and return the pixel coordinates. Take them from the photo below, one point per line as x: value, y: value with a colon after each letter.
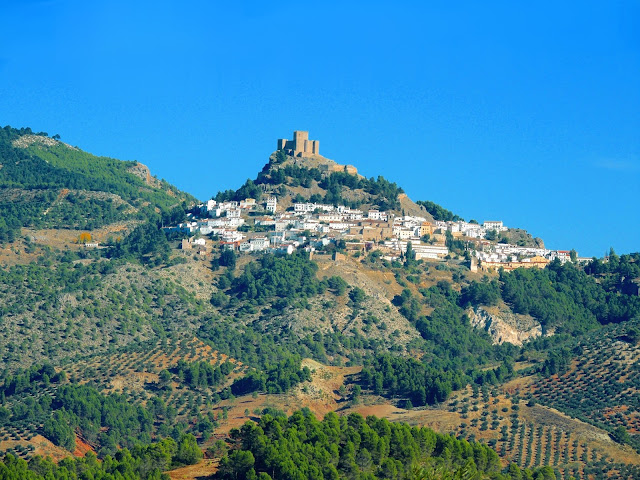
x: 251, y: 226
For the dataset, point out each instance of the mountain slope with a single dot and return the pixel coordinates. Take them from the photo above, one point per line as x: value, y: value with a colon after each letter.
x: 46, y: 183
x: 177, y: 343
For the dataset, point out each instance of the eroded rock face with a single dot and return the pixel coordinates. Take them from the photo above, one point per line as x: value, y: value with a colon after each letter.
x: 505, y: 326
x: 142, y: 171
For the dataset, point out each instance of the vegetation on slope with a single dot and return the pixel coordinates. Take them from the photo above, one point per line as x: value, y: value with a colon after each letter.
x: 47, y: 184
x: 453, y: 353
x: 61, y: 306
x: 438, y: 212
x: 143, y: 462
x: 334, y: 186
x: 301, y: 447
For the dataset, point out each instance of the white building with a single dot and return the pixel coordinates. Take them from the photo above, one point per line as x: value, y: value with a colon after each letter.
x: 330, y: 217
x: 405, y: 233
x: 440, y: 224
x: 429, y: 251
x: 283, y: 223
x: 377, y: 215
x: 421, y: 250
x: 207, y: 207
x: 272, y: 204
x: 498, y: 226
x: 472, y: 230
x: 259, y: 244
x: 311, y: 207
x: 230, y: 236
x: 244, y: 247
x: 339, y: 226
x: 310, y: 224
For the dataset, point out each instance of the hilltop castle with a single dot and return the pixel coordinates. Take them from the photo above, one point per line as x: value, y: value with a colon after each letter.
x: 300, y: 146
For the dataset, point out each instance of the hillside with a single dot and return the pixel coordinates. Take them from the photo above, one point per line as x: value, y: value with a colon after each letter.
x: 45, y: 183
x: 321, y: 180
x: 116, y: 332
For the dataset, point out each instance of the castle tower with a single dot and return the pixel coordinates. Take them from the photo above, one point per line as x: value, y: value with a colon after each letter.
x: 300, y: 146
x: 300, y: 140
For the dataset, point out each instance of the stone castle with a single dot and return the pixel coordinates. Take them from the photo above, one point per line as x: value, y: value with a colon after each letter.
x: 300, y: 146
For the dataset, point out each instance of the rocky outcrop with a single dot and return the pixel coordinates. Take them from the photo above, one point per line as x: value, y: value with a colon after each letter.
x: 505, y: 326
x: 142, y: 171
x: 25, y: 141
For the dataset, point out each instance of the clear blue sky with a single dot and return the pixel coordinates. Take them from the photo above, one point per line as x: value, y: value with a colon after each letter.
x: 528, y: 112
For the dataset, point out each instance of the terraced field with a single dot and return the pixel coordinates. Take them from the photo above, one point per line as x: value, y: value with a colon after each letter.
x: 603, y: 385
x: 134, y: 373
x: 524, y: 432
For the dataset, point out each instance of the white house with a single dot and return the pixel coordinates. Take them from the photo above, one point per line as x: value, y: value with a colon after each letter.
x: 259, y: 244
x: 441, y: 224
x: 282, y: 223
x: 307, y: 224
x: 339, y: 226
x: 330, y: 217
x: 429, y: 251
x: 494, y: 225
x: 405, y: 233
x: 377, y: 215
x: 272, y: 204
x: 310, y: 207
x: 232, y: 236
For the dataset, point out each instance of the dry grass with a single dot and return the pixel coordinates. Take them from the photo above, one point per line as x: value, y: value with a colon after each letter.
x: 200, y: 471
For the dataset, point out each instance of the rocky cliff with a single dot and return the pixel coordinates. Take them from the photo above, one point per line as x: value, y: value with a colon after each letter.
x: 503, y: 325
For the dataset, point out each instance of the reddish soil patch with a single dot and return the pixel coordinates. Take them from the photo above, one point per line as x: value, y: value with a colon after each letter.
x: 82, y: 448
x: 45, y: 448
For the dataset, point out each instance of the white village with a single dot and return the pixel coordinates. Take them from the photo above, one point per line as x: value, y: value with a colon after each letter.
x: 254, y: 226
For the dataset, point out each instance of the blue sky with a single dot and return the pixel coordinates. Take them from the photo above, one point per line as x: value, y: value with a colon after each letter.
x: 528, y: 113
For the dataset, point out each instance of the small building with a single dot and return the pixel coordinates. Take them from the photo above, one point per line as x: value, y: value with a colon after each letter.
x: 259, y: 244
x: 377, y: 215
x: 426, y: 228
x: 247, y: 203
x: 330, y: 217
x: 496, y: 225
x: 272, y: 204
